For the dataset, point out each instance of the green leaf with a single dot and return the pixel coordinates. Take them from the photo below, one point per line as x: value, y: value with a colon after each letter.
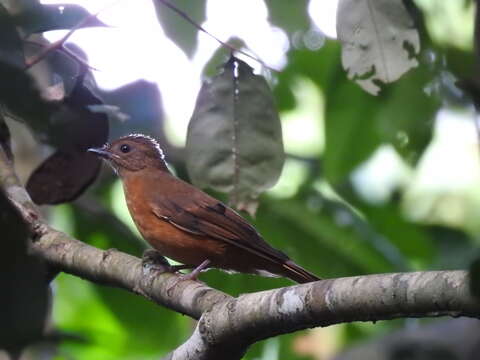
x: 114, y: 323
x: 291, y: 16
x: 234, y: 140
x: 351, y: 135
x: 409, y: 238
x: 101, y: 231
x: 356, y: 123
x: 176, y: 27
x: 220, y: 56
x: 406, y: 113
x: 128, y: 308
x: 453, y: 248
x: 378, y: 39
x: 328, y: 239
x: 41, y: 18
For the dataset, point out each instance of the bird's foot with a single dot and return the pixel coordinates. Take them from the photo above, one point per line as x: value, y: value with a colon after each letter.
x: 152, y: 260
x: 191, y: 276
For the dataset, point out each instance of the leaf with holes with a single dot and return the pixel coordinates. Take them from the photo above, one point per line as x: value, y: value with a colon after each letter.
x: 234, y: 140
x: 379, y: 41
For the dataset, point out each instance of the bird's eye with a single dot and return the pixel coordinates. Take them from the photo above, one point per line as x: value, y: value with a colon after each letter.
x: 125, y: 148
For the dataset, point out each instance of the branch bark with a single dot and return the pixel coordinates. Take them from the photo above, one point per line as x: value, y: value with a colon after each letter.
x: 228, y: 326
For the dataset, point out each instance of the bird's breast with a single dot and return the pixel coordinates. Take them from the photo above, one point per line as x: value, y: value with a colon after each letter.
x: 166, y: 238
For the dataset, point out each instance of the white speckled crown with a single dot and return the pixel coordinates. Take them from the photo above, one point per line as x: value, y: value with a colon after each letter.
x: 146, y: 140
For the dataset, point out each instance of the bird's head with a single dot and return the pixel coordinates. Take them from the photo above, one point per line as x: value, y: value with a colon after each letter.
x: 132, y: 153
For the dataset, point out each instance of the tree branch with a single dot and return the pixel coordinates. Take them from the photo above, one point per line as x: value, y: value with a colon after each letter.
x: 228, y: 326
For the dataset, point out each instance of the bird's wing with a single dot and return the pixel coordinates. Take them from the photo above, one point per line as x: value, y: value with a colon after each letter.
x: 209, y: 217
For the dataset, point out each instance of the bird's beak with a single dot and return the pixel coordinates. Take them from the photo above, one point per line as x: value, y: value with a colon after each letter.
x: 101, y: 152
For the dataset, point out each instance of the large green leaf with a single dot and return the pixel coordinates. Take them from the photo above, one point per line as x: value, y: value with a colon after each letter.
x: 234, y: 140
x: 379, y: 41
x: 176, y: 27
x: 113, y: 323
x: 351, y: 135
x: 409, y: 238
x: 328, y: 238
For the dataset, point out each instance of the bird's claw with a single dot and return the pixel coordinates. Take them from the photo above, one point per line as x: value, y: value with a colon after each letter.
x: 191, y: 276
x: 152, y: 260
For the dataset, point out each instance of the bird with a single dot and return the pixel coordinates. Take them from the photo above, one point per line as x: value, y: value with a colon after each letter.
x: 186, y: 224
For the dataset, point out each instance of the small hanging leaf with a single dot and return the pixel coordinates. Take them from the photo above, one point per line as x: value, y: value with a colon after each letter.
x: 62, y: 177
x: 379, y: 41
x: 176, y: 27
x: 41, y: 18
x: 234, y: 140
x: 70, y: 170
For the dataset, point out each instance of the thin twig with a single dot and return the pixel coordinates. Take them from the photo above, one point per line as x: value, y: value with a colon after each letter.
x: 59, y: 43
x: 66, y: 51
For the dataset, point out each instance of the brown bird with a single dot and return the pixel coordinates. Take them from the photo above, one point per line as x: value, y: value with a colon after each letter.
x: 184, y: 223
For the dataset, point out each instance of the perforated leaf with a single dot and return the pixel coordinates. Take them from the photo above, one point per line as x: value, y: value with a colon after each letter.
x: 379, y: 41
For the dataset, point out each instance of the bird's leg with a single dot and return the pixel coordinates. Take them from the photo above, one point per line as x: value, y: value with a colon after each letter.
x: 191, y: 276
x: 195, y: 272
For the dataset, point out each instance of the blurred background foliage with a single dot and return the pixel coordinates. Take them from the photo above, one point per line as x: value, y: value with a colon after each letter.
x: 370, y: 184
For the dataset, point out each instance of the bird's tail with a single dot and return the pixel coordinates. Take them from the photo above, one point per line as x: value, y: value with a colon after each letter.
x: 297, y: 273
